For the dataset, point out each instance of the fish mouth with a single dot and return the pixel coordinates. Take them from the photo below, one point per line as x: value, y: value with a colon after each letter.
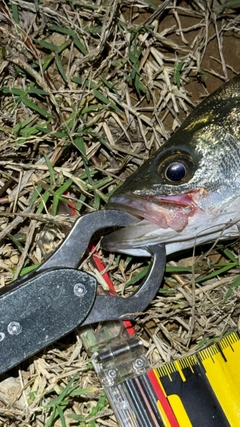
x: 165, y: 211
x: 180, y: 222
x: 162, y: 219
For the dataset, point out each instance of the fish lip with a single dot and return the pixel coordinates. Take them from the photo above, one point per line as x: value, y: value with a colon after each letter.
x: 165, y: 211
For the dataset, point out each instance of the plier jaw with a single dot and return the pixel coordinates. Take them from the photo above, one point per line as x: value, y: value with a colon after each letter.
x: 46, y: 305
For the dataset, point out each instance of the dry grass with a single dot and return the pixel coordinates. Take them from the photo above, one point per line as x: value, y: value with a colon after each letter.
x: 88, y: 91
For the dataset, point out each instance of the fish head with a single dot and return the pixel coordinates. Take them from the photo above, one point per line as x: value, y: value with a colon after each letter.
x: 188, y: 192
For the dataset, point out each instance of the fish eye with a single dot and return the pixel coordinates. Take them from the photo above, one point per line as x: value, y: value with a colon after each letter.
x: 175, y: 171
x: 177, y: 167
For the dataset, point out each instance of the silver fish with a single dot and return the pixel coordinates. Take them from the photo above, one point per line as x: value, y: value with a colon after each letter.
x: 188, y: 193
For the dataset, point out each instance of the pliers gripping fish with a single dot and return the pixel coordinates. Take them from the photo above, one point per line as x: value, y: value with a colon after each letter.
x: 44, y: 306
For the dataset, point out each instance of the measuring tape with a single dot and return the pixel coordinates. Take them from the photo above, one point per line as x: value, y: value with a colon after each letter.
x: 202, y: 390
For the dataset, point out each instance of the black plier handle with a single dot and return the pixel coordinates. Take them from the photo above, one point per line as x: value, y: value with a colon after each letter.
x: 46, y: 305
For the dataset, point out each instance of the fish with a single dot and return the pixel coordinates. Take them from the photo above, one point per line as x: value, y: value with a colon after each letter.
x: 188, y: 192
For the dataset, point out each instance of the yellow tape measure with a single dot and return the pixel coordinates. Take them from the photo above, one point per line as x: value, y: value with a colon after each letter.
x: 202, y: 390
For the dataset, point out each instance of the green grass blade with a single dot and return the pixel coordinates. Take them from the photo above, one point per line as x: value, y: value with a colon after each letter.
x: 79, y: 143
x: 36, y: 5
x: 233, y: 286
x: 138, y: 277
x: 80, y: 46
x: 230, y: 255
x: 177, y: 73
x: 105, y: 100
x: 62, y: 30
x: 60, y: 68
x: 44, y: 199
x: 51, y: 171
x: 15, y: 13
x: 89, y: 84
x: 230, y: 4
x: 20, y: 126
x: 216, y: 273
x: 61, y: 415
x: 34, y: 107
x: 35, y: 195
x: 58, y: 193
x: 49, y: 46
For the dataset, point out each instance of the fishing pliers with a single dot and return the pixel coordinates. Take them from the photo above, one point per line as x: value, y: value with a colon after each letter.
x: 41, y: 307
